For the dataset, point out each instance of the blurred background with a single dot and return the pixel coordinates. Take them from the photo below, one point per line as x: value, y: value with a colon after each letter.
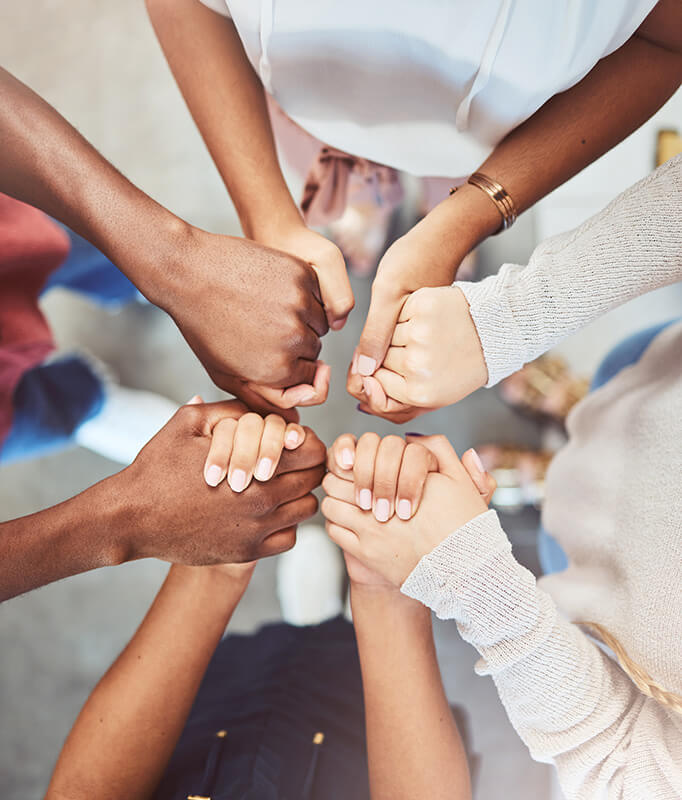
x: 101, y: 67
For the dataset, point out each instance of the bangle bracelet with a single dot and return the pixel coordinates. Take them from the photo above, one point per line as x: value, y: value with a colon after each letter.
x: 498, y: 194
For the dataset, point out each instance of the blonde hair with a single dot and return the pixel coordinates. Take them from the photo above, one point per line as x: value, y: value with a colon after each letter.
x: 638, y: 675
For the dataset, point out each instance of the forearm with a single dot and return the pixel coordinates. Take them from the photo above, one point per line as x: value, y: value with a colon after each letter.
x: 83, y: 533
x: 413, y: 744
x: 631, y: 247
x: 49, y: 165
x: 127, y: 730
x: 227, y: 101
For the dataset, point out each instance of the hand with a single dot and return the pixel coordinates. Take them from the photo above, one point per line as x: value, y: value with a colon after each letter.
x: 435, y: 357
x: 253, y: 316
x: 329, y: 265
x: 388, y: 474
x: 174, y: 515
x: 393, y: 549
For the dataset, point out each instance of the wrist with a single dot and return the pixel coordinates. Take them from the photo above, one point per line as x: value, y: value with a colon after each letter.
x: 382, y: 598
x: 275, y: 224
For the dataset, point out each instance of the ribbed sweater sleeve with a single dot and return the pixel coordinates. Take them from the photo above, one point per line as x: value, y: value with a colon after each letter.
x: 632, y: 246
x: 569, y: 702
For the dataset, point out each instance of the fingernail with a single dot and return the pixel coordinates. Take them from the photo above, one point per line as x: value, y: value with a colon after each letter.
x: 361, y: 410
x: 307, y: 397
x: 365, y: 500
x: 338, y: 324
x: 263, y: 469
x: 213, y: 475
x: 347, y: 458
x: 354, y: 364
x: 367, y: 389
x: 366, y: 365
x: 382, y: 510
x: 193, y: 401
x: 237, y: 480
x: 404, y: 509
x: 291, y: 439
x: 412, y: 433
x: 477, y: 461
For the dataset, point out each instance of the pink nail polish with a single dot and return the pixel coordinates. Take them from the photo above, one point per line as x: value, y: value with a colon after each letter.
x: 477, y: 461
x: 291, y: 439
x: 347, y: 458
x: 365, y: 500
x: 366, y: 365
x: 237, y: 480
x: 263, y: 469
x: 404, y: 509
x: 214, y: 475
x: 382, y: 510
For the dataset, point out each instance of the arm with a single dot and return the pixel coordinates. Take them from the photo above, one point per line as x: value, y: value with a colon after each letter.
x: 568, y: 701
x: 413, y: 744
x: 227, y: 100
x: 569, y: 132
x: 126, y: 732
x: 250, y: 313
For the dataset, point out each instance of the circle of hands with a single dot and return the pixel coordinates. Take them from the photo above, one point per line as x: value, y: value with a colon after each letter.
x: 388, y: 501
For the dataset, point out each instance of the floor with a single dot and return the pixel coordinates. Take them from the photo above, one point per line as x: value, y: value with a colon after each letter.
x: 99, y: 64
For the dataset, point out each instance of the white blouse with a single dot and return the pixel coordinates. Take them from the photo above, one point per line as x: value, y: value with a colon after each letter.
x: 428, y: 87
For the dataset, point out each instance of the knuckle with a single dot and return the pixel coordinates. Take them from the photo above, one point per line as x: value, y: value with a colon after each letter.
x: 369, y: 439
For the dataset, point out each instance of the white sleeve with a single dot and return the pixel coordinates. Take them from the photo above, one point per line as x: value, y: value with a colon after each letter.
x: 219, y: 6
x: 569, y: 702
x: 632, y: 246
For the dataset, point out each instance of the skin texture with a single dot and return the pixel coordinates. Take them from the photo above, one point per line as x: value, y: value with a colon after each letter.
x: 250, y: 313
x: 161, y: 507
x: 392, y: 549
x: 569, y: 132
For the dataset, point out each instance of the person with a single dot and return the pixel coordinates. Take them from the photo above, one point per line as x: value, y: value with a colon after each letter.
x: 152, y: 509
x: 277, y: 714
x: 490, y: 329
x: 499, y: 90
x: 587, y: 661
x: 252, y: 315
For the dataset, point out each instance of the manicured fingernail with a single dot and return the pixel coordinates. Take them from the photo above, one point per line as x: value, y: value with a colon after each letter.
x: 367, y: 389
x: 366, y: 365
x: 477, y: 461
x: 194, y: 401
x: 361, y: 410
x: 213, y: 475
x: 347, y: 458
x: 412, y: 433
x: 404, y: 509
x: 365, y: 500
x: 291, y: 439
x: 263, y: 469
x: 306, y: 397
x: 382, y: 510
x: 237, y: 480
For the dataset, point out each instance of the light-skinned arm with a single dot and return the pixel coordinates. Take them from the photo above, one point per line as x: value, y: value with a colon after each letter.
x: 250, y: 313
x: 227, y: 100
x: 570, y: 131
x: 126, y: 732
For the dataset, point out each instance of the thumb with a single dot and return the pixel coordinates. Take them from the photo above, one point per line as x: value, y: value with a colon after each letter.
x: 448, y: 462
x: 378, y: 331
x: 335, y: 290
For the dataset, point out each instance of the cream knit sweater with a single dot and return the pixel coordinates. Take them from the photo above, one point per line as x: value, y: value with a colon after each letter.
x: 614, y: 502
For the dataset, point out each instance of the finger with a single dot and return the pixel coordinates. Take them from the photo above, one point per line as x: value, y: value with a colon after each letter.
x: 202, y: 418
x: 448, y: 463
x: 314, y: 313
x: 386, y: 470
x: 378, y: 331
x: 342, y: 455
x: 347, y: 515
x: 377, y: 397
x: 401, y: 415
x: 344, y: 538
x: 284, y: 488
x: 294, y: 436
x: 416, y: 464
x: 402, y: 335
x: 394, y: 361
x: 310, y: 453
x: 271, y: 445
x: 483, y: 481
x: 220, y: 450
x: 253, y: 395
x: 335, y: 289
x: 303, y: 370
x: 278, y: 542
x: 245, y: 451
x: 293, y: 512
x: 363, y: 469
x: 300, y: 394
x: 195, y: 401
x: 338, y: 488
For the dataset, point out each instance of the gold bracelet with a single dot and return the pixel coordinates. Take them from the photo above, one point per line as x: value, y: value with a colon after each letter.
x: 498, y: 194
